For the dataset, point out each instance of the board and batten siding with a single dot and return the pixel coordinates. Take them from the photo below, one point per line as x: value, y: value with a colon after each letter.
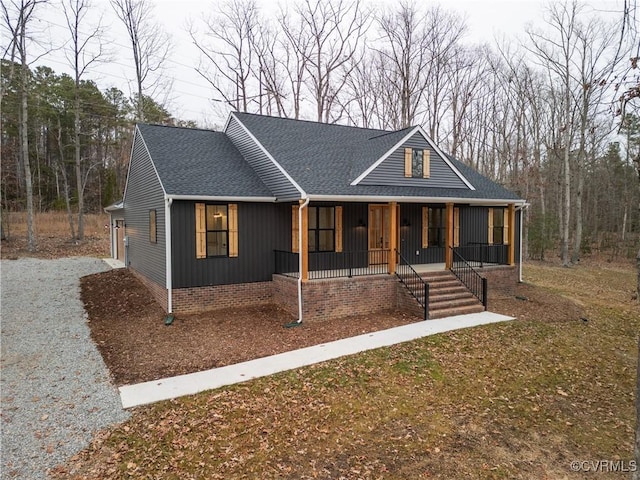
x: 391, y: 170
x: 144, y: 193
x: 271, y: 176
x: 262, y: 228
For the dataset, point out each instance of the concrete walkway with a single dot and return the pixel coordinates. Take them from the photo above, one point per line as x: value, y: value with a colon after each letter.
x: 174, y: 387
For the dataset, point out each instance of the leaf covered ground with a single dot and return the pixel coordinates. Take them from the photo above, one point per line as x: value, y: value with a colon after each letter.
x: 515, y: 400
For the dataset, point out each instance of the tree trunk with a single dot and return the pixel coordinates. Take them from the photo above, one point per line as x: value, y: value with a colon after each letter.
x: 65, y: 182
x: 24, y: 146
x: 575, y: 258
x: 78, y: 165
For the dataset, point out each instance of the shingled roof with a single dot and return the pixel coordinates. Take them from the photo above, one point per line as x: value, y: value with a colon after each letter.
x: 323, y: 159
x: 198, y: 162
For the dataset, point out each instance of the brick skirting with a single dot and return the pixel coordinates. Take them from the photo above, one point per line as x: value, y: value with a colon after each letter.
x: 501, y: 280
x: 214, y: 297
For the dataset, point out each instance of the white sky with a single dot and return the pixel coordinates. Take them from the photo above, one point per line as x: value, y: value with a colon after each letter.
x: 190, y: 97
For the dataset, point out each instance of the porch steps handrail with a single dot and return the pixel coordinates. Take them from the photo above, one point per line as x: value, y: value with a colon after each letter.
x: 417, y: 286
x: 469, y: 276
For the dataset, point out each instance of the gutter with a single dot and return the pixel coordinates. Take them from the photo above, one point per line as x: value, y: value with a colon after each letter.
x: 222, y: 199
x: 416, y: 199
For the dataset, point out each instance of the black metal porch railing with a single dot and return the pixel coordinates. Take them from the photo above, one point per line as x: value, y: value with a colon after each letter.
x: 412, y: 280
x: 474, y: 282
x: 334, y: 264
x: 483, y: 254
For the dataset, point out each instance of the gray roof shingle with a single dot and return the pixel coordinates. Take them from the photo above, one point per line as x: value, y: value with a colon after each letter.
x: 322, y: 158
x: 200, y: 162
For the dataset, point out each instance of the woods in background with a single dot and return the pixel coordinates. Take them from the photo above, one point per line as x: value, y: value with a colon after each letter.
x: 541, y: 117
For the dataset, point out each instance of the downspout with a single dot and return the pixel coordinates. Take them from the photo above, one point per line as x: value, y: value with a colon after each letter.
x: 167, y: 235
x: 304, y: 205
x: 521, y: 209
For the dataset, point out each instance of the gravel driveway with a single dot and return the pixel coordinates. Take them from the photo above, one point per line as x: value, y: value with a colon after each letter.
x: 55, y: 388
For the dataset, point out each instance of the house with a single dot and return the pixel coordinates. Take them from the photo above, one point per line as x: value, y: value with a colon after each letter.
x: 324, y: 220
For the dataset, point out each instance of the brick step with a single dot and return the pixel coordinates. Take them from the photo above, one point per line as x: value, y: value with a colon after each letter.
x: 449, y: 312
x: 451, y: 296
x: 437, y: 304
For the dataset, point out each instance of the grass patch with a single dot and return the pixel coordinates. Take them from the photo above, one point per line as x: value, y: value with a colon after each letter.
x: 515, y: 400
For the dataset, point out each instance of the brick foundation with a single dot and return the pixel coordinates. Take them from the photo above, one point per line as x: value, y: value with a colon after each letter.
x: 200, y: 299
x: 501, y: 280
x: 338, y: 297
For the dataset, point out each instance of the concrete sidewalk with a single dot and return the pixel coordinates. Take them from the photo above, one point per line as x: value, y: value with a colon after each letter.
x: 168, y: 388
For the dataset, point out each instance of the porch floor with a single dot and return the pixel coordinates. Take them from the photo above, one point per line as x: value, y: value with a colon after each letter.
x: 173, y: 387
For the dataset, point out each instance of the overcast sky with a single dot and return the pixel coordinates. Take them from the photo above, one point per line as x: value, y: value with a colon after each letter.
x: 190, y: 97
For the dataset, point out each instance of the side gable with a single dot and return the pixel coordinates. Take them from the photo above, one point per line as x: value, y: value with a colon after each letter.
x: 266, y: 167
x: 144, y: 192
x: 390, y: 168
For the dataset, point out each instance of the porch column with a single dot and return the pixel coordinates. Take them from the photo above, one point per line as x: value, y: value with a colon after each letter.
x: 448, y: 253
x: 393, y: 245
x: 304, y: 235
x: 511, y: 209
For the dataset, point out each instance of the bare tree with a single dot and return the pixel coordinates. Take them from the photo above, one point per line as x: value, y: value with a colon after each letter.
x: 226, y: 47
x: 150, y: 46
x: 81, y: 58
x: 327, y: 35
x: 17, y: 19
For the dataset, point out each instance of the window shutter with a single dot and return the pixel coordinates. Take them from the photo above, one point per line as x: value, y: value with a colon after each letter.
x: 505, y: 229
x: 425, y: 227
x: 201, y: 231
x: 338, y: 226
x: 426, y: 165
x: 456, y: 227
x: 407, y: 162
x: 490, y: 233
x: 233, y: 229
x: 294, y: 228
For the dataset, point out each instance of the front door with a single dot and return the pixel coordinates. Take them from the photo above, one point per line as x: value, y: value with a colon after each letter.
x: 379, y: 234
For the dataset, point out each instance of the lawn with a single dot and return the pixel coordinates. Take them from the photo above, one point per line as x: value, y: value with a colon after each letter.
x: 517, y: 400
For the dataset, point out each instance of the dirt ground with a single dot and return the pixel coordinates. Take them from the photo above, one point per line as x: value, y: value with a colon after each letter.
x: 128, y: 327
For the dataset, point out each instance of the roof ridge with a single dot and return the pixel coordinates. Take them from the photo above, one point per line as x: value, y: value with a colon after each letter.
x: 178, y: 126
x: 299, y: 120
x: 390, y: 132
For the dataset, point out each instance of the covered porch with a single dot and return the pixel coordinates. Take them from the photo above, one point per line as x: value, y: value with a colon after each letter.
x: 332, y: 240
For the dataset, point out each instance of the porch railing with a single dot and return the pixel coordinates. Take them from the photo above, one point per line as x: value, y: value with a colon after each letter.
x: 334, y: 264
x: 412, y: 280
x: 483, y: 254
x: 474, y: 282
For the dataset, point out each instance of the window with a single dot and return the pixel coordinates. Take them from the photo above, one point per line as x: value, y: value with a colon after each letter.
x: 153, y: 228
x: 498, y: 226
x: 322, y: 231
x: 216, y: 230
x: 437, y: 227
x: 417, y: 163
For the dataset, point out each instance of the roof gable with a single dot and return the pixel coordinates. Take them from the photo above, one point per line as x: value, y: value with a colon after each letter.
x: 389, y: 168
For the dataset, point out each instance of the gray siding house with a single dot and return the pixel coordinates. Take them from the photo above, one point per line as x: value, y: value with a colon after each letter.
x: 322, y: 219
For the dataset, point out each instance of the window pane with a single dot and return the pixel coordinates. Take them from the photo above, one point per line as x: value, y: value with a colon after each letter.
x: 416, y: 164
x: 436, y: 237
x: 312, y: 241
x: 216, y: 217
x: 498, y: 217
x: 326, y: 217
x: 313, y: 217
x: 216, y: 244
x: 498, y: 235
x: 436, y: 217
x: 326, y: 240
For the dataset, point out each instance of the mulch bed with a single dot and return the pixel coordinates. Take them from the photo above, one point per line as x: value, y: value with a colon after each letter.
x: 127, y: 325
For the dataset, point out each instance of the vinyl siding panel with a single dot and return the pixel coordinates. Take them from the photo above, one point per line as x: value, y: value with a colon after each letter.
x: 273, y: 178
x: 391, y: 170
x: 262, y: 228
x: 144, y: 192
